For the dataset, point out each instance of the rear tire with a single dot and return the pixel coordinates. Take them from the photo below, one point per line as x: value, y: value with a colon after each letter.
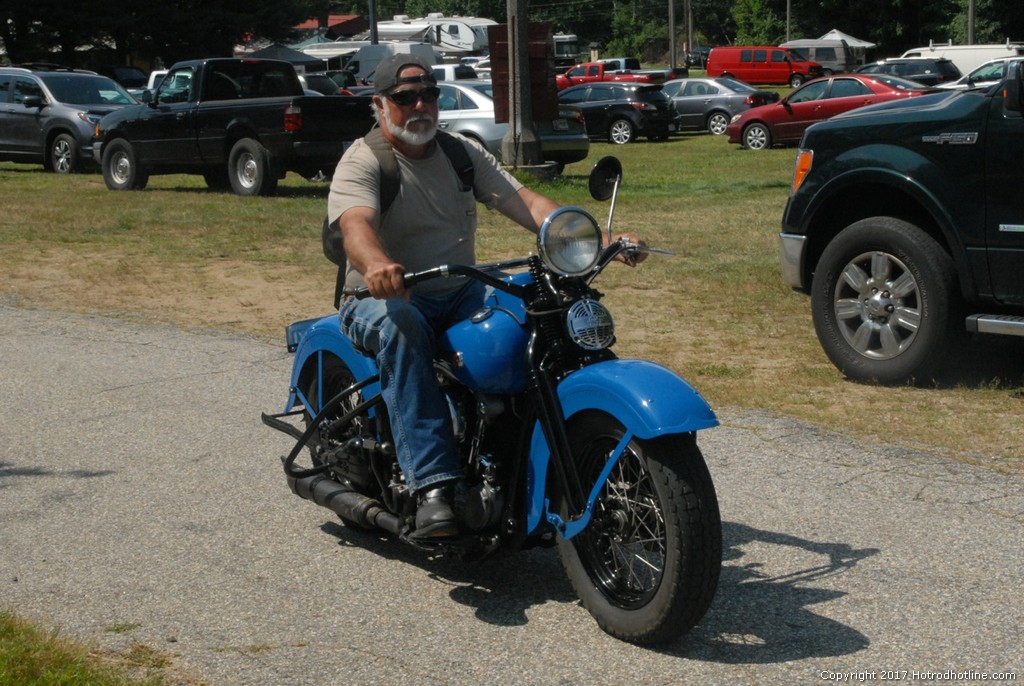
x: 621, y: 131
x: 647, y: 566
x: 717, y: 123
x: 250, y: 170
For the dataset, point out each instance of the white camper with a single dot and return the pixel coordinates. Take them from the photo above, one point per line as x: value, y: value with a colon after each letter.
x: 968, y: 57
x: 450, y: 35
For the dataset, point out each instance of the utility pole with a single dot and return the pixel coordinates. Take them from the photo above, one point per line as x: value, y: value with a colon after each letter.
x: 521, y: 144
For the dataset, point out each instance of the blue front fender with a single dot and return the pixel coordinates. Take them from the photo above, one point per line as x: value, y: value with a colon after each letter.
x: 314, y: 338
x: 647, y: 399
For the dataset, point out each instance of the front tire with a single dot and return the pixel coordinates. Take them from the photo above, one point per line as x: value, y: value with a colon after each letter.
x: 64, y: 157
x: 621, y: 131
x: 647, y: 566
x: 796, y: 80
x: 250, y: 170
x: 757, y: 137
x: 121, y: 168
x: 882, y: 300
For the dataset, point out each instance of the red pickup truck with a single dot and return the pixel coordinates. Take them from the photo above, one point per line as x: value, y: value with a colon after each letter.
x: 605, y: 71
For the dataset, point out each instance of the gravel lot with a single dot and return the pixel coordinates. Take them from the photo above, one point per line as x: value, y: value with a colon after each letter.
x: 143, y: 502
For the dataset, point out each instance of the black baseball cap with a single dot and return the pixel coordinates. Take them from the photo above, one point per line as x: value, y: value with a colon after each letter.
x: 386, y: 76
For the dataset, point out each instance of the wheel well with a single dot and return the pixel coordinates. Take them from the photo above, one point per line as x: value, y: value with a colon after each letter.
x: 853, y: 204
x: 715, y: 111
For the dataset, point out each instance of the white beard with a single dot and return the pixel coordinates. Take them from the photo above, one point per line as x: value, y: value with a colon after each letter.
x: 411, y: 137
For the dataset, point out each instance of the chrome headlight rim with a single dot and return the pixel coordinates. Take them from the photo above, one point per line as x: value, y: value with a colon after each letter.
x: 569, y: 241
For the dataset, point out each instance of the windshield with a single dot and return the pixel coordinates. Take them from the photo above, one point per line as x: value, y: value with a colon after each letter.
x: 83, y: 89
x: 737, y: 86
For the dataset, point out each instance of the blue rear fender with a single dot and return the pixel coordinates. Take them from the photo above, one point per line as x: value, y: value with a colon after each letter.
x: 647, y: 399
x: 316, y: 338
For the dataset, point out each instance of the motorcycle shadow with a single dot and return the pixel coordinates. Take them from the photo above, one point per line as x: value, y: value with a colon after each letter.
x: 761, y: 618
x: 756, y: 617
x: 499, y: 593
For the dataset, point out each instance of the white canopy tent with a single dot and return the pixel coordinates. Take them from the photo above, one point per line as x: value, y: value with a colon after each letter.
x: 836, y: 34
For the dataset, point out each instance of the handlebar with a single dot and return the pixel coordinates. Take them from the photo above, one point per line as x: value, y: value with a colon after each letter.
x: 480, y: 272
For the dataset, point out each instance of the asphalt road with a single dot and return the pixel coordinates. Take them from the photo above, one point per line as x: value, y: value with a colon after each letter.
x: 142, y: 501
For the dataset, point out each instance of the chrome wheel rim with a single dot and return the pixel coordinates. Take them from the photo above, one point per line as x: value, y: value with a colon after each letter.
x: 877, y: 304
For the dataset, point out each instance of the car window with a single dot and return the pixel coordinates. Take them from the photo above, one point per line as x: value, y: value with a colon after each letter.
x: 175, y: 86
x: 760, y: 55
x: 673, y: 88
x: 695, y: 88
x: 5, y: 87
x: 986, y: 72
x: 737, y: 86
x: 572, y: 95
x: 812, y: 91
x: 485, y: 89
x: 80, y: 89
x: 601, y: 93
x: 779, y: 56
x: 25, y: 87
x: 449, y: 100
x: 577, y: 71
x: 848, y: 88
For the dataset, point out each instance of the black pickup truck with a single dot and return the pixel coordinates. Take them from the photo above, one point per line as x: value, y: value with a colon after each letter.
x: 906, y: 225
x: 241, y: 123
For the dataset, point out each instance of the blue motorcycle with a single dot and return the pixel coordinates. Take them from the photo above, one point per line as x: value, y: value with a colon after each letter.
x: 564, y: 444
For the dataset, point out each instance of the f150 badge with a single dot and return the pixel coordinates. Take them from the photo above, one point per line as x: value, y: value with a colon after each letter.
x: 966, y: 138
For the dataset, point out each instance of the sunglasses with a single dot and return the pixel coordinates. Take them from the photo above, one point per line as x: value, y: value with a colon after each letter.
x: 408, y: 98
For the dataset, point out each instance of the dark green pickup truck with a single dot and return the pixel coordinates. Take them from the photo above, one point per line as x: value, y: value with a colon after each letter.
x: 241, y: 123
x: 906, y: 226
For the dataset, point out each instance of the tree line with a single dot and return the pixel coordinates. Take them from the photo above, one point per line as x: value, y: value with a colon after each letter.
x: 142, y: 31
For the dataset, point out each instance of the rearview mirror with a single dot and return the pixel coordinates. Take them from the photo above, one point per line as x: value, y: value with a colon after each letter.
x: 605, y: 177
x: 1013, y: 88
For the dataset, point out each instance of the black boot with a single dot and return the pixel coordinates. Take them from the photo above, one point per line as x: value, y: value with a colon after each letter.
x: 434, y: 515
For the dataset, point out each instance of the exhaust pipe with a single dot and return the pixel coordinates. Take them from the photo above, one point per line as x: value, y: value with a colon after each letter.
x: 346, y: 503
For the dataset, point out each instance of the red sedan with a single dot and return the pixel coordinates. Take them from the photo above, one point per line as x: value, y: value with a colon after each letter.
x: 785, y: 121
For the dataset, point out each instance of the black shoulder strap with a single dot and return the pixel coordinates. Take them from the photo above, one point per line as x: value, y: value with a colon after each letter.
x: 456, y: 152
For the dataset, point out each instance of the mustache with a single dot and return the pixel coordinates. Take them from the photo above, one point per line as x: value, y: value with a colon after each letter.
x: 423, y: 116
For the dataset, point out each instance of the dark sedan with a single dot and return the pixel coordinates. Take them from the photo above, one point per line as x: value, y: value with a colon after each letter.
x: 619, y: 112
x: 786, y: 120
x: 709, y: 104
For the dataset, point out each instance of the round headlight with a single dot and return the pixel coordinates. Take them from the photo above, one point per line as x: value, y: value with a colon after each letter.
x: 570, y: 241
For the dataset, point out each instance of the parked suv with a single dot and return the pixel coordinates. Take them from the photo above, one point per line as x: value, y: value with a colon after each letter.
x: 928, y: 71
x: 48, y: 114
x: 619, y: 112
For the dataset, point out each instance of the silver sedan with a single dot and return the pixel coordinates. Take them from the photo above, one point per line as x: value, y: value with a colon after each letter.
x: 467, y: 107
x: 709, y: 104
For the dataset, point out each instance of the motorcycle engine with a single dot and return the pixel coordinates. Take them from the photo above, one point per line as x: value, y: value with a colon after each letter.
x: 484, y: 504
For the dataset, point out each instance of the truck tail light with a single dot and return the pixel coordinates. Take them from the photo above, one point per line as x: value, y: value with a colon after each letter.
x: 292, y: 118
x: 804, y: 159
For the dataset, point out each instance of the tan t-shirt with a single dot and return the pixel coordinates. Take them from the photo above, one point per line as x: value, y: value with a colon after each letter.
x: 431, y: 221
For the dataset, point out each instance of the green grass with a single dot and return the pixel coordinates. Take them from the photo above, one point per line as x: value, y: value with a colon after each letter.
x: 31, y: 657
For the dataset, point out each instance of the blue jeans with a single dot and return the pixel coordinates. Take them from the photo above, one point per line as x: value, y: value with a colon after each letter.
x: 402, y: 337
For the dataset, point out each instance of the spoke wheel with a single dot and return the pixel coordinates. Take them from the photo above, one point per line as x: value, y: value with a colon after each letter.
x: 647, y: 566
x: 621, y: 132
x: 757, y: 137
x: 64, y: 155
x: 717, y: 123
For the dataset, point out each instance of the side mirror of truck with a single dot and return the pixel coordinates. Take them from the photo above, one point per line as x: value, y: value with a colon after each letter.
x: 1013, y: 87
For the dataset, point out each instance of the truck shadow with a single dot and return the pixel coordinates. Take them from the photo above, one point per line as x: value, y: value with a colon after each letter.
x: 983, y: 361
x: 756, y: 617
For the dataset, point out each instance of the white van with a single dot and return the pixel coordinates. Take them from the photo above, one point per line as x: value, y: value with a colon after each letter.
x: 834, y: 56
x: 968, y: 57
